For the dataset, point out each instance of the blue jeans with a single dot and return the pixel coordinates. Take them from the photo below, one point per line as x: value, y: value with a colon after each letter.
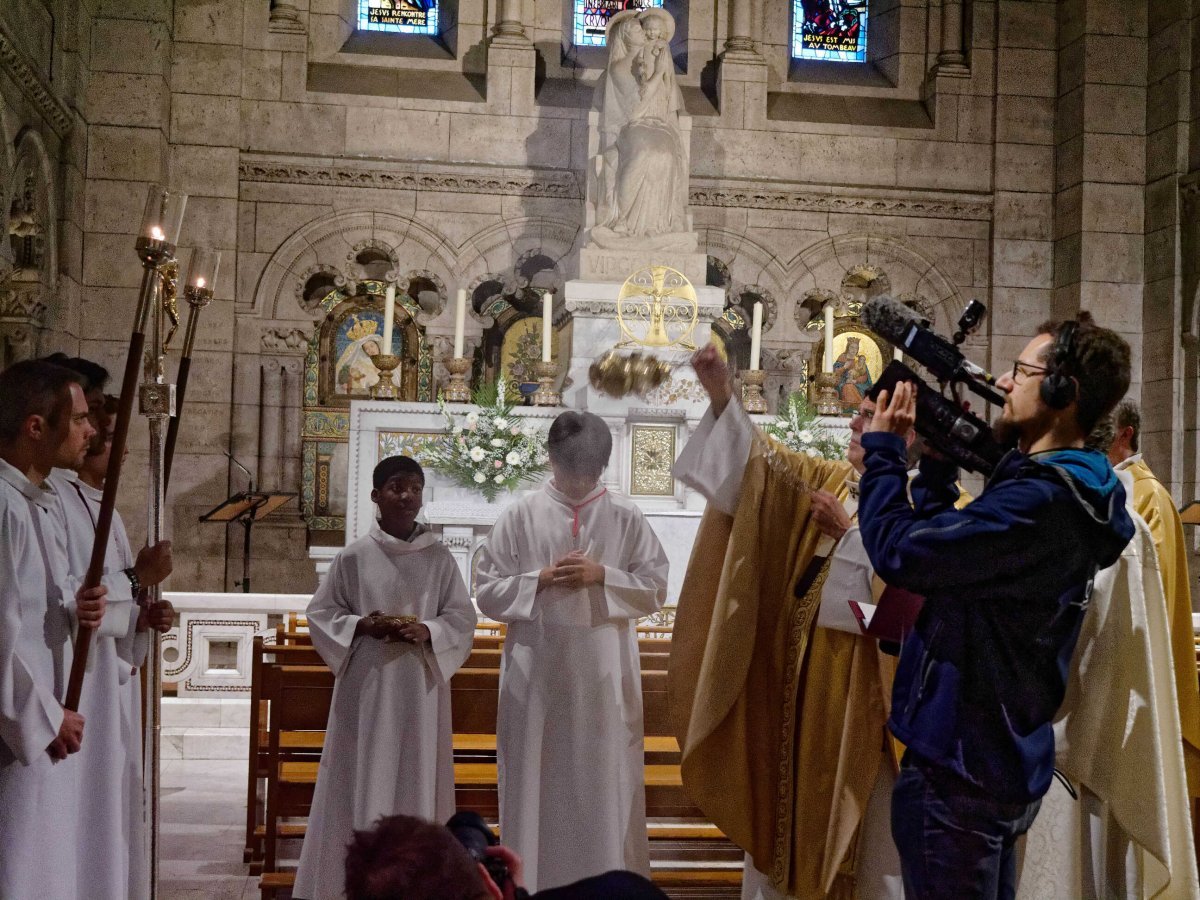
x: 955, y: 841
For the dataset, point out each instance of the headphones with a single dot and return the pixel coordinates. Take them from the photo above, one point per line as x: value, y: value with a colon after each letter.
x: 1058, y: 390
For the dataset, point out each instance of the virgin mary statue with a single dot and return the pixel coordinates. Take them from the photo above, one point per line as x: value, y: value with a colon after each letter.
x: 641, y: 168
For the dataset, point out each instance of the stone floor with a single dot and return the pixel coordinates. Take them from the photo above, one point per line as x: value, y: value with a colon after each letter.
x: 203, y: 812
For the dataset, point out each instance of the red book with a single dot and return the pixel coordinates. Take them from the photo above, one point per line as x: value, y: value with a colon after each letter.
x: 896, y: 615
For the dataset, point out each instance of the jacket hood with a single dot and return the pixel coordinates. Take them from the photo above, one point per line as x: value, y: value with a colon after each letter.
x: 1097, y: 490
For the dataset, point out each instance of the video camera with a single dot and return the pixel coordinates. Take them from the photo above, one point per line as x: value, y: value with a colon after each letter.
x: 474, y: 834
x: 941, y: 420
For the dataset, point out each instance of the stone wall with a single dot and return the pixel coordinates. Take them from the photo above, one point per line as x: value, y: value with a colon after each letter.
x: 1038, y: 156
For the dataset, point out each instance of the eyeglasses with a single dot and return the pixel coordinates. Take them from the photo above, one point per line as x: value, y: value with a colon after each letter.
x: 1021, y: 367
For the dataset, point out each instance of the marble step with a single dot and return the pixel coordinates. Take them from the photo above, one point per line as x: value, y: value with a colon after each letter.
x: 205, y: 712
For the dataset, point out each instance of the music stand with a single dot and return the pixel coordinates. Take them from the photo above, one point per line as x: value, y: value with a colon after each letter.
x: 1190, y: 514
x: 246, y: 508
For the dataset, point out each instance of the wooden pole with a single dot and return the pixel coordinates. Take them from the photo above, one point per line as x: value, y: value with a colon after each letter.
x: 108, y: 503
x: 181, y: 380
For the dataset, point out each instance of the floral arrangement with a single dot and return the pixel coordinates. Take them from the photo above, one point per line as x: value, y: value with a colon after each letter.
x: 491, y: 450
x: 796, y: 428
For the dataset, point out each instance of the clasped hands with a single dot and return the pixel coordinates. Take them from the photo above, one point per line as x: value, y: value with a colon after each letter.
x: 382, y: 627
x: 573, y: 571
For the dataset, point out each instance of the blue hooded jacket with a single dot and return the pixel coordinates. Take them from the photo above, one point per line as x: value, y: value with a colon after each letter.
x: 1007, y: 581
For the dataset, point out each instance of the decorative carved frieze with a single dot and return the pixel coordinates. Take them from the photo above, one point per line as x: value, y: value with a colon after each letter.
x: 400, y: 176
x: 764, y: 197
x: 285, y: 340
x: 27, y: 78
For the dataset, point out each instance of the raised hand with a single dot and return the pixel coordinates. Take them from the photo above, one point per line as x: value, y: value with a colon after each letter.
x: 895, y: 414
x: 713, y: 373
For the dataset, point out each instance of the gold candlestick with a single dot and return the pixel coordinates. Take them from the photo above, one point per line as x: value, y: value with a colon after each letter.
x: 827, y: 398
x: 546, y: 395
x: 385, y: 388
x: 457, y: 390
x: 752, y: 391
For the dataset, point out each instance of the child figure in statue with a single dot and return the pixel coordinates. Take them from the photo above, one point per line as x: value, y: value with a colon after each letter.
x: 571, y: 569
x: 393, y: 620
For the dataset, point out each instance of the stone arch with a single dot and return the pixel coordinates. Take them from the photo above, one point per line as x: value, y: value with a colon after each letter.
x: 499, y: 248
x: 749, y: 262
x: 31, y: 164
x: 825, y: 264
x: 322, y: 244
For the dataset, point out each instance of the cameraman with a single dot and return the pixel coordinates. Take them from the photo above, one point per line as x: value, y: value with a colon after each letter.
x: 1007, y: 581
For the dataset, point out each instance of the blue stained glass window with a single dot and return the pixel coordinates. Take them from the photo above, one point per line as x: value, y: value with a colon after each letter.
x: 591, y: 18
x: 398, y: 16
x: 829, y: 30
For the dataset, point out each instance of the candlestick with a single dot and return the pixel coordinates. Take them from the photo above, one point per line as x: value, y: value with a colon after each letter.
x: 460, y: 314
x: 752, y: 390
x: 547, y: 308
x: 828, y: 403
x: 389, y: 317
x: 756, y: 336
x: 385, y: 387
x: 828, y: 367
x: 546, y: 395
x: 457, y: 391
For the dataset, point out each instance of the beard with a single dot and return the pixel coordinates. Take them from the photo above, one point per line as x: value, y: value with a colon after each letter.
x: 1005, y: 431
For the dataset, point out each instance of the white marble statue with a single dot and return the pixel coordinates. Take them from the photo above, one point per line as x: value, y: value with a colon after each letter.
x: 641, y: 165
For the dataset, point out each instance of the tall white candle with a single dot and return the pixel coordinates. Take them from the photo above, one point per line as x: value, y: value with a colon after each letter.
x: 460, y: 313
x: 756, y: 336
x: 389, y: 316
x: 828, y: 338
x: 547, y: 310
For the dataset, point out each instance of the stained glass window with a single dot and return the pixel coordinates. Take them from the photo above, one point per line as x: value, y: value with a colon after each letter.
x: 591, y: 18
x: 398, y: 16
x: 829, y: 30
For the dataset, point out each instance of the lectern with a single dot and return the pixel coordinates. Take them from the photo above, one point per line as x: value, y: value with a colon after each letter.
x: 246, y: 508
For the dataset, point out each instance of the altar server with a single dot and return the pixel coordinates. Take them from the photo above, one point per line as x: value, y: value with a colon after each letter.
x: 393, y: 620
x: 112, y: 845
x: 571, y: 569
x: 43, y: 423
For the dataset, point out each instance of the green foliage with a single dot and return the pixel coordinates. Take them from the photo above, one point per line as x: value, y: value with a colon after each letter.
x: 796, y: 427
x: 492, y: 449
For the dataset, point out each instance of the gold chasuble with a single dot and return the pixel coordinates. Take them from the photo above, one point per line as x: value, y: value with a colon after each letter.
x: 1154, y: 504
x: 780, y: 723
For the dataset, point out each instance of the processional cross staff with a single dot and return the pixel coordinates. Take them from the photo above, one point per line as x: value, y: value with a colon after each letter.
x: 155, y: 247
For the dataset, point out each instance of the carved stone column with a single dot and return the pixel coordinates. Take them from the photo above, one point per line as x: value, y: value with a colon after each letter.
x: 741, y: 38
x: 511, y: 63
x: 270, y: 422
x: 510, y: 25
x: 293, y: 395
x: 951, y: 60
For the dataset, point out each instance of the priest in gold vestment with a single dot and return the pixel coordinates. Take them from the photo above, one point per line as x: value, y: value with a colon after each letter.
x: 1153, y: 502
x: 781, y: 724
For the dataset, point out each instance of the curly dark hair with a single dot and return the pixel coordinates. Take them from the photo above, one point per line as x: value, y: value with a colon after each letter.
x: 406, y: 858
x: 1099, y: 363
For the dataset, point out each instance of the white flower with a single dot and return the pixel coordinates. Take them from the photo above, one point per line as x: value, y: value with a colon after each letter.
x: 806, y: 436
x: 471, y: 418
x: 791, y: 435
x: 497, y: 442
x: 477, y: 454
x: 480, y: 478
x: 513, y: 458
x: 815, y: 454
x: 500, y: 423
x: 529, y: 430
x: 515, y: 431
x: 499, y: 479
x: 458, y: 429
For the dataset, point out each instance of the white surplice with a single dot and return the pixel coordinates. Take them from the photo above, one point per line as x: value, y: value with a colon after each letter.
x: 569, y: 734
x: 39, y: 799
x: 112, y: 846
x: 388, y: 746
x: 1118, y: 739
x: 713, y: 463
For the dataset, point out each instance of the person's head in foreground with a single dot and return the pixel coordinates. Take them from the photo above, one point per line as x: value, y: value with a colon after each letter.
x: 579, y: 444
x: 397, y: 488
x: 43, y: 418
x: 1064, y: 381
x: 406, y: 858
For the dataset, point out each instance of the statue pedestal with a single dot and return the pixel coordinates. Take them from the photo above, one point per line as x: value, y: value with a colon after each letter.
x: 597, y: 264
